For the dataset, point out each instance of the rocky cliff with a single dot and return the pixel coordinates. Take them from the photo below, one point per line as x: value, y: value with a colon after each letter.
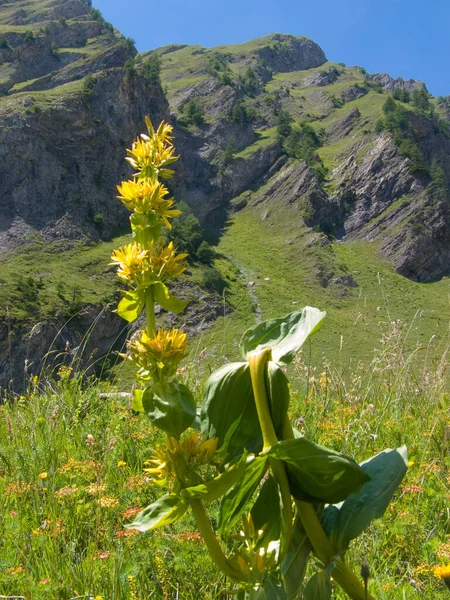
x: 268, y: 126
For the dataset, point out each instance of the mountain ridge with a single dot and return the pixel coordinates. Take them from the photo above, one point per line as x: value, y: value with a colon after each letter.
x: 362, y: 159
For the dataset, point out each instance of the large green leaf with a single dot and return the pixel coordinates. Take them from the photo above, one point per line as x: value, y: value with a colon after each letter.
x: 348, y: 520
x: 294, y: 564
x: 235, y: 501
x: 267, y: 520
x: 316, y: 473
x: 217, y: 487
x: 229, y: 410
x: 163, y: 297
x: 285, y: 335
x: 319, y: 586
x: 270, y: 589
x: 164, y: 511
x: 277, y: 386
x: 131, y: 305
x: 170, y: 406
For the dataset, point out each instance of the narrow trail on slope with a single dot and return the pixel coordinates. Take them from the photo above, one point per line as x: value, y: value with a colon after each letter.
x: 246, y: 275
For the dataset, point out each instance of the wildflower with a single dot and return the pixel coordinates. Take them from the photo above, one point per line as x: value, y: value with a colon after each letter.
x: 157, y: 356
x: 140, y: 267
x: 146, y: 196
x: 108, y: 502
x: 101, y: 555
x: 152, y: 153
x: 130, y: 512
x: 130, y: 262
x: 44, y: 581
x: 43, y: 475
x: 95, y: 489
x: 15, y: 570
x: 175, y: 458
x: 124, y: 533
x: 90, y: 441
x: 443, y: 572
x: 66, y: 491
x: 121, y: 464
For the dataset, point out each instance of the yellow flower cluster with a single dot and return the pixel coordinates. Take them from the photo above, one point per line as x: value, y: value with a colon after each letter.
x: 152, y: 153
x: 176, y: 458
x: 157, y: 355
x: 141, y: 267
x: 146, y: 196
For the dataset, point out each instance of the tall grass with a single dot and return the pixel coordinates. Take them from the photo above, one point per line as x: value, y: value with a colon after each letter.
x: 72, y: 461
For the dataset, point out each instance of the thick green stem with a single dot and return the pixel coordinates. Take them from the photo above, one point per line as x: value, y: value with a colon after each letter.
x: 342, y: 574
x: 150, y: 312
x: 219, y: 558
x: 257, y: 364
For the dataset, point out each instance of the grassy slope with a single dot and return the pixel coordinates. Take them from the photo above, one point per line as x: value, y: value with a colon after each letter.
x: 285, y: 280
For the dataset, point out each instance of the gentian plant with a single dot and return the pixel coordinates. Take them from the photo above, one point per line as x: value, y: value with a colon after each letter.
x: 281, y: 498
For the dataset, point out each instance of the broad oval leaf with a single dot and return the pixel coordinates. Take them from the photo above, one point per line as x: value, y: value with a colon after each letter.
x: 347, y: 521
x: 285, y: 335
x: 235, y: 501
x: 170, y: 406
x: 319, y: 586
x: 270, y: 589
x: 267, y: 520
x: 229, y: 410
x: 131, y: 305
x: 316, y: 473
x: 164, y: 511
x: 295, y: 562
x: 164, y: 298
x: 217, y: 487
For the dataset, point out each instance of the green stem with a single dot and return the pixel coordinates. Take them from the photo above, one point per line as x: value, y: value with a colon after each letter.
x: 342, y: 574
x: 257, y: 363
x: 150, y: 312
x: 219, y: 558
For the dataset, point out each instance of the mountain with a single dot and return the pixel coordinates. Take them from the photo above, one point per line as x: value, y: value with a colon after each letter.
x: 337, y: 173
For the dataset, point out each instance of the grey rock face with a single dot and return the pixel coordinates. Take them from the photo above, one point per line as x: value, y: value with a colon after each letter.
x: 60, y: 165
x: 287, y: 53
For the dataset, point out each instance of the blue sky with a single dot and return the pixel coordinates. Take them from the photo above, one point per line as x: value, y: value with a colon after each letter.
x: 405, y: 38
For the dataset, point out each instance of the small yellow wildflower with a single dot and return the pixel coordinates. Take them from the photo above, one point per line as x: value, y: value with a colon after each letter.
x: 157, y: 356
x: 121, y: 464
x: 443, y: 572
x: 108, y: 502
x: 43, y: 476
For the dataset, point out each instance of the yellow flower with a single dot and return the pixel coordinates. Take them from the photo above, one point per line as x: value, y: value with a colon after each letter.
x: 144, y: 267
x: 152, y: 153
x: 148, y: 196
x: 164, y: 263
x: 175, y: 459
x: 43, y: 476
x: 157, y: 356
x: 443, y: 572
x: 121, y: 463
x: 130, y: 261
